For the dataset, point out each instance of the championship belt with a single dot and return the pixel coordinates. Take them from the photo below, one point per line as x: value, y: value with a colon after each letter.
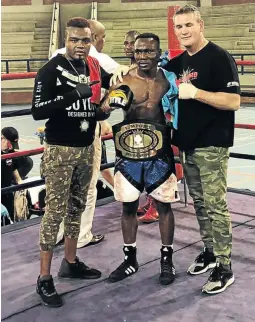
x: 141, y: 140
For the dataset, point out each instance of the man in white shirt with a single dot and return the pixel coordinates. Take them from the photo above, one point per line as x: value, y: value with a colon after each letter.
x: 109, y: 65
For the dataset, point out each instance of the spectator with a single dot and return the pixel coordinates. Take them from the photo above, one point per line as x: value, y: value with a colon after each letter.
x: 9, y: 172
x: 24, y: 164
x: 129, y: 44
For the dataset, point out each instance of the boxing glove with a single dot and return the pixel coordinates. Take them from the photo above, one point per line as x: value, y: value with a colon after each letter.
x: 121, y: 97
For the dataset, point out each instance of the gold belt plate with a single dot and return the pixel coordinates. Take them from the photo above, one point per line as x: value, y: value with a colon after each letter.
x: 138, y: 141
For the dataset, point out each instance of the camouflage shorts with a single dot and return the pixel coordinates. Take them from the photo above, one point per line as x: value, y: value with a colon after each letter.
x: 67, y: 172
x: 205, y: 171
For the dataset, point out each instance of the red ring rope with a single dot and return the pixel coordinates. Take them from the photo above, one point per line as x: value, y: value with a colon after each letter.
x: 39, y: 150
x: 104, y: 138
x: 11, y: 76
x: 109, y: 136
x: 24, y: 75
x: 22, y: 153
x: 245, y: 126
x: 245, y: 62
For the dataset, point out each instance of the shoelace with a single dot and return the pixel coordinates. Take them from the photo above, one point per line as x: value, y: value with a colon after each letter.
x: 216, y: 273
x: 122, y: 265
x: 49, y: 286
x: 81, y: 265
x: 166, y: 266
x: 125, y: 264
x: 201, y: 256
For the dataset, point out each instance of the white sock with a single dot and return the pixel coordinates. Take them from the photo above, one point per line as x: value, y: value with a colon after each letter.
x: 167, y: 246
x: 130, y: 245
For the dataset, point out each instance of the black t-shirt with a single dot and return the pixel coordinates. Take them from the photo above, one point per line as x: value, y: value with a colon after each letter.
x: 71, y: 120
x: 7, y: 168
x: 200, y: 125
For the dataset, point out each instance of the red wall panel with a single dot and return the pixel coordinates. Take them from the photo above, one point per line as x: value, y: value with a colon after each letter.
x: 15, y: 2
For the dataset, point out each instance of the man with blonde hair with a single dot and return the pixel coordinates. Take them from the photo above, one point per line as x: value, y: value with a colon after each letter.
x: 209, y: 93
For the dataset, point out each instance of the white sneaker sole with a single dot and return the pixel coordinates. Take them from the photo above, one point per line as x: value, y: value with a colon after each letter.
x: 230, y: 282
x: 210, y: 266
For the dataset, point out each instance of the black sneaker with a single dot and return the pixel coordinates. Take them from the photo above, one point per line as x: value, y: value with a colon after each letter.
x: 46, y: 289
x: 77, y: 270
x: 204, y: 261
x: 167, y: 270
x: 219, y: 279
x: 127, y: 268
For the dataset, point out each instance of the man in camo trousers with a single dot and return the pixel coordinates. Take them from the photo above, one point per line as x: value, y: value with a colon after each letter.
x: 67, y: 93
x: 209, y: 93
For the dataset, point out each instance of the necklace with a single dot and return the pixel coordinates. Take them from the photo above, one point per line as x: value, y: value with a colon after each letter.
x: 82, y: 78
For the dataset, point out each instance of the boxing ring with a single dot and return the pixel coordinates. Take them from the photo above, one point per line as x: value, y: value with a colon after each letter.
x: 138, y: 298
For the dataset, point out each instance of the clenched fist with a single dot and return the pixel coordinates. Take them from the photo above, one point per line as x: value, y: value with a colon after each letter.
x: 187, y: 91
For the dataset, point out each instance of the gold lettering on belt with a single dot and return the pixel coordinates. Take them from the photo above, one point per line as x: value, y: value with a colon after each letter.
x: 138, y: 141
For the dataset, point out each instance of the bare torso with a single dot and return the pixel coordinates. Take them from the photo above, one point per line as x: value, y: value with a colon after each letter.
x: 148, y: 93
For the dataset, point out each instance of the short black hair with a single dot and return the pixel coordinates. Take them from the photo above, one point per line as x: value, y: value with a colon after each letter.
x: 78, y: 22
x: 149, y: 35
x: 133, y: 33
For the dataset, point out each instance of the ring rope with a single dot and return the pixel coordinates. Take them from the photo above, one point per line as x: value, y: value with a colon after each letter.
x: 109, y: 136
x: 36, y: 151
x: 40, y: 182
x: 23, y: 75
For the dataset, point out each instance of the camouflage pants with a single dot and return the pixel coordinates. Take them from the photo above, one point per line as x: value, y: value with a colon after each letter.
x: 67, y: 172
x: 205, y: 170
